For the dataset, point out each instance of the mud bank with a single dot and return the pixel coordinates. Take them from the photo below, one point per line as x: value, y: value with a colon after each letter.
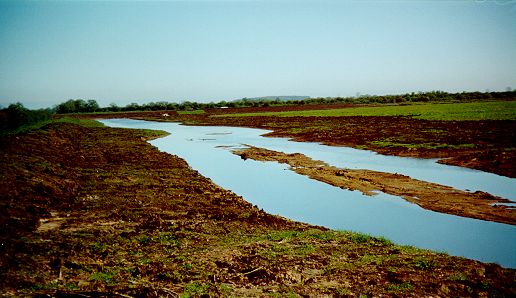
x: 431, y: 196
x: 130, y: 221
x: 487, y: 145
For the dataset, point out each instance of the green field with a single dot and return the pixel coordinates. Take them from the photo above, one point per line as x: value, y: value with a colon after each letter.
x: 494, y: 110
x: 194, y: 112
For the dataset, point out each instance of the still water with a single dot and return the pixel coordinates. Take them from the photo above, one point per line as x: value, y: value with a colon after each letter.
x: 277, y: 190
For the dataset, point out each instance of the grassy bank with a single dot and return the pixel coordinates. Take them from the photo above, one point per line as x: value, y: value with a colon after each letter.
x: 94, y: 211
x: 496, y: 110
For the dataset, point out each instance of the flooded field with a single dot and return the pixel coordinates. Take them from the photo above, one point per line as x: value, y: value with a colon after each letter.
x: 282, y: 192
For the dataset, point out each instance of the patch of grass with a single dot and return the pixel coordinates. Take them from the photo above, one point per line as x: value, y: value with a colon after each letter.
x: 488, y: 110
x: 143, y: 239
x: 284, y: 293
x: 387, y: 143
x: 194, y: 112
x: 71, y: 286
x: 370, y: 259
x: 281, y: 235
x: 424, y: 264
x: 40, y: 124
x: 49, y: 286
x: 77, y: 121
x: 296, y: 130
x: 310, y: 234
x: 167, y: 239
x: 106, y: 277
x: 409, y: 250
x: 324, y: 235
x: 304, y: 249
x: 343, y: 291
x: 191, y: 122
x: 187, y: 266
x: 225, y: 289
x: 98, y: 247
x: 359, y: 238
x: 460, y: 276
x: 383, y: 241
x: 144, y: 261
x: 150, y: 134
x: 400, y: 288
x: 194, y: 289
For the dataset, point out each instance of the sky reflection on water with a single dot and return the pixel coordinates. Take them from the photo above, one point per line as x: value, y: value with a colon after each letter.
x: 280, y: 191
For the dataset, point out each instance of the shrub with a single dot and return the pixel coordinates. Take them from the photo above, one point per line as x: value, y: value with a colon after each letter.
x: 16, y: 117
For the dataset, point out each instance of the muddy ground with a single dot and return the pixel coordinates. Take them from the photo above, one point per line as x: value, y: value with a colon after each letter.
x: 98, y: 212
x: 431, y: 196
x: 484, y: 145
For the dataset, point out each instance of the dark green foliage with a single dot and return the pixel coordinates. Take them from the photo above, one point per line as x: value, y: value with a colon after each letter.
x: 77, y: 106
x: 16, y: 116
x: 90, y: 106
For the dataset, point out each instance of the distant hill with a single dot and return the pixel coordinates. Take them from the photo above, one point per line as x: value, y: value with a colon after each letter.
x: 271, y: 98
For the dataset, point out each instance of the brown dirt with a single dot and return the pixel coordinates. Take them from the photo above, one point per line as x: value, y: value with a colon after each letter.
x: 130, y: 221
x: 428, y: 195
x: 484, y: 145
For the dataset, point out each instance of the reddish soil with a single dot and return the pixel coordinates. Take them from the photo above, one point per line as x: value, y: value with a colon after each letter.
x: 98, y: 212
x: 431, y: 196
x: 484, y: 145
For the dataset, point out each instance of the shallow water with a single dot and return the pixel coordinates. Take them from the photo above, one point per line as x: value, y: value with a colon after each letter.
x: 280, y: 191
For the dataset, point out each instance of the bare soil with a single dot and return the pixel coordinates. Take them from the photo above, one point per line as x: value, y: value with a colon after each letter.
x: 484, y: 145
x: 428, y: 195
x: 98, y: 212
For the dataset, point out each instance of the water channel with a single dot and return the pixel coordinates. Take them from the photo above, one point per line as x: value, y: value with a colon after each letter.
x: 277, y: 190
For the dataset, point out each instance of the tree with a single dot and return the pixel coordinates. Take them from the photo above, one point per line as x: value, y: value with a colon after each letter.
x: 132, y: 107
x: 16, y: 116
x: 113, y: 107
x: 92, y: 106
x: 77, y: 106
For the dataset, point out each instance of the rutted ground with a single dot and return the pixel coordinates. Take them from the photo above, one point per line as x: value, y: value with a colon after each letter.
x: 428, y: 195
x: 97, y: 211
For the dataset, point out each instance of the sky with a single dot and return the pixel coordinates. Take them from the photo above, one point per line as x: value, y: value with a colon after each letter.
x: 140, y: 51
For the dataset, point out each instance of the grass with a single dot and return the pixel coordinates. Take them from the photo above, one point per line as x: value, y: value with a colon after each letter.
x: 40, y: 124
x: 282, y: 236
x: 400, y: 288
x: 82, y: 122
x: 143, y: 133
x: 492, y: 110
x: 194, y: 112
x: 387, y: 143
x: 194, y: 289
x: 106, y: 277
x: 424, y: 264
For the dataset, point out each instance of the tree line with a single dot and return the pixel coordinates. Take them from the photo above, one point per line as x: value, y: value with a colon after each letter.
x: 91, y: 106
x: 16, y: 116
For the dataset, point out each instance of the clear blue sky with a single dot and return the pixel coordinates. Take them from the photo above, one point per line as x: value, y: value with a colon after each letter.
x: 139, y: 51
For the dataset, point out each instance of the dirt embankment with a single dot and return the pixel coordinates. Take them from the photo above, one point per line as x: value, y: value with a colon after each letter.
x: 484, y: 145
x: 428, y: 195
x: 96, y: 212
